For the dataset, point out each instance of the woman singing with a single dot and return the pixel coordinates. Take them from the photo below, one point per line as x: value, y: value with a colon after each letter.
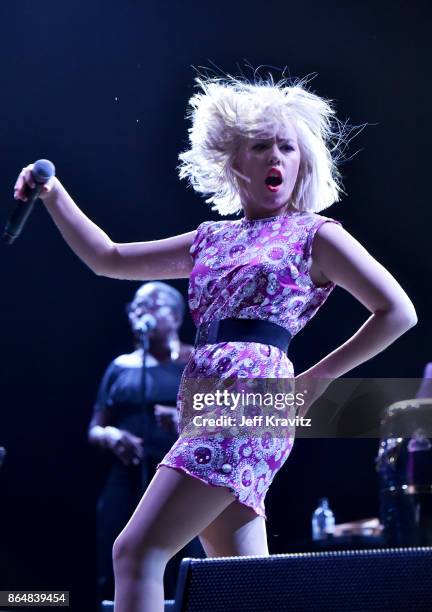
x: 267, y: 151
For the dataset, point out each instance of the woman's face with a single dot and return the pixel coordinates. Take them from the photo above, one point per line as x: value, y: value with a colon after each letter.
x: 160, y: 306
x: 270, y: 167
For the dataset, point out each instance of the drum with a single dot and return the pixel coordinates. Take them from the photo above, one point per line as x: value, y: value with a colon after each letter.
x: 404, y: 465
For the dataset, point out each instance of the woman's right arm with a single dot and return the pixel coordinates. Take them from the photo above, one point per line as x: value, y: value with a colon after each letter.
x: 157, y: 259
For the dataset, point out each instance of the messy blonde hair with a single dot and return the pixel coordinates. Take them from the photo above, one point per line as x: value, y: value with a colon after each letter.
x: 229, y: 109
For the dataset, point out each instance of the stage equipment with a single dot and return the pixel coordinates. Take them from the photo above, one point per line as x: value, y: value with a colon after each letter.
x: 404, y: 464
x: 384, y: 580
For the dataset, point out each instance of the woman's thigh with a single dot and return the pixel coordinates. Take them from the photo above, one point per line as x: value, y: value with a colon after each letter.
x: 237, y: 531
x: 173, y: 510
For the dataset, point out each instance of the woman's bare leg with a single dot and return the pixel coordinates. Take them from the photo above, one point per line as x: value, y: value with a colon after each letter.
x: 174, y: 509
x: 237, y: 531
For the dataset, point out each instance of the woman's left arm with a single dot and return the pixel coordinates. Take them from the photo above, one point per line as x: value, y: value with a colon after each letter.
x: 343, y: 260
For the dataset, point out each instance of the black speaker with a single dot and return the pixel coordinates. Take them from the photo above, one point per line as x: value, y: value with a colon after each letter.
x: 392, y: 580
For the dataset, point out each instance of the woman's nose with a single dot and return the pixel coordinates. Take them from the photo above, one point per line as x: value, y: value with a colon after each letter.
x: 274, y: 157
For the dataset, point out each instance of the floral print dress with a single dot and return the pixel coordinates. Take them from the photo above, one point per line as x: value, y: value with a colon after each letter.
x: 251, y: 269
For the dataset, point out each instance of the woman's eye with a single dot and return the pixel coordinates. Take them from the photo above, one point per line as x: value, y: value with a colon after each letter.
x: 287, y: 147
x: 259, y: 146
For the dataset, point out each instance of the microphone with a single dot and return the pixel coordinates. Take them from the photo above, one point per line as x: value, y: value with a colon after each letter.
x: 145, y: 324
x: 42, y: 171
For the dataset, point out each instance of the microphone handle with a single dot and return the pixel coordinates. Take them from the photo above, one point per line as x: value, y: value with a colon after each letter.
x: 20, y: 215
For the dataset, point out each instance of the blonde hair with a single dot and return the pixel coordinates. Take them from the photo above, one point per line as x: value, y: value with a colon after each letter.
x: 229, y: 109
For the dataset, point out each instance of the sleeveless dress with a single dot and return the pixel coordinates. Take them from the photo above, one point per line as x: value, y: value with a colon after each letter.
x: 251, y: 269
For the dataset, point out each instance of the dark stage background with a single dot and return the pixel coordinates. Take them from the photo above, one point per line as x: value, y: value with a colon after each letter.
x: 101, y: 89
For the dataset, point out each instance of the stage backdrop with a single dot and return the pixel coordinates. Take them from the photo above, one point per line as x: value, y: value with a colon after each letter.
x: 101, y: 89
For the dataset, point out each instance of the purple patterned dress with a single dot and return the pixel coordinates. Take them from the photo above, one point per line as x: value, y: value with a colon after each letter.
x: 255, y: 269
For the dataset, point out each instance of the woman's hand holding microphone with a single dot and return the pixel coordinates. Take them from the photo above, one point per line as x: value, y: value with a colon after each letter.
x: 34, y: 181
x: 40, y: 174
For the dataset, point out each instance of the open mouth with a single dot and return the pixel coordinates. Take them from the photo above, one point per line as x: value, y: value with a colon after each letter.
x: 273, y: 179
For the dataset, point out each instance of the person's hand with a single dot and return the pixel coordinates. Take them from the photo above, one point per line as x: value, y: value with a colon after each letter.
x: 311, y: 387
x: 25, y: 181
x: 127, y: 447
x: 166, y: 417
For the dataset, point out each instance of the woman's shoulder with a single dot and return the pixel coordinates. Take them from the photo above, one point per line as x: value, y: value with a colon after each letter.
x: 309, y: 223
x: 210, y: 229
x: 133, y: 360
x: 128, y: 360
x: 314, y: 218
x: 214, y: 225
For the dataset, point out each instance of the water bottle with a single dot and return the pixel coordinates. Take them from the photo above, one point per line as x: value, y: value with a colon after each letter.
x: 323, y: 521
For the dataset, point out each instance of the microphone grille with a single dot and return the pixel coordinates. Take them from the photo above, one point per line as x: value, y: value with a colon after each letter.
x: 43, y: 170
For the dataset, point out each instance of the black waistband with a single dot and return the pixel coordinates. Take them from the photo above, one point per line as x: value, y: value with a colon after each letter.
x: 243, y: 330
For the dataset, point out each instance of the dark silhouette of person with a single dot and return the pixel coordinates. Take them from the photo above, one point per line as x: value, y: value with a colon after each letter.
x: 135, y: 419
